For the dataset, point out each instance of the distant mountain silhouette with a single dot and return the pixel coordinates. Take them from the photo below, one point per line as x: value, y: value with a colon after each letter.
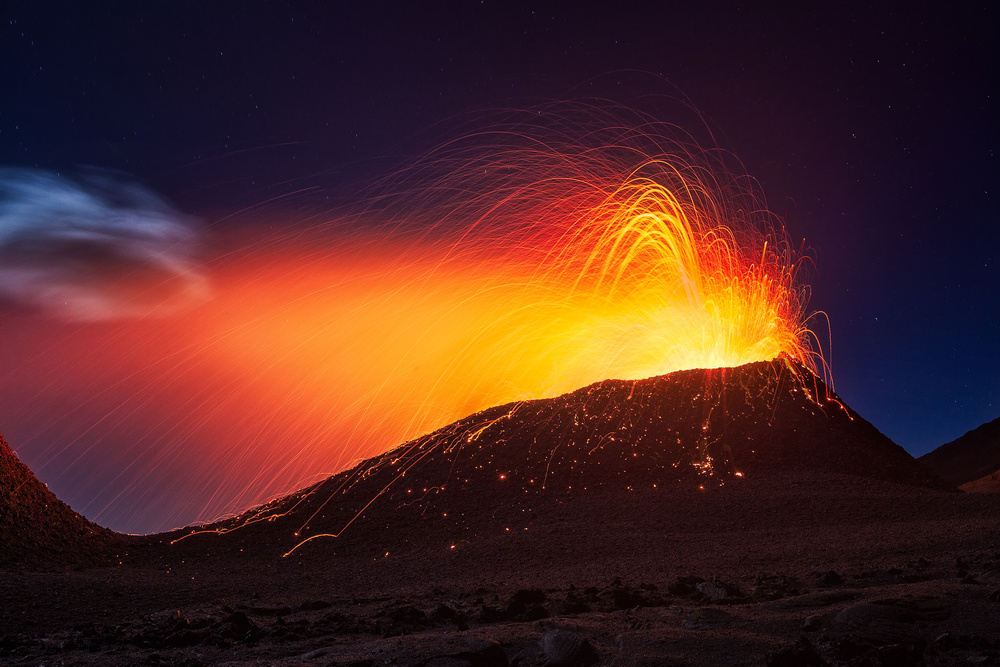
x: 971, y: 457
x: 986, y: 484
x: 36, y: 528
x: 688, y: 430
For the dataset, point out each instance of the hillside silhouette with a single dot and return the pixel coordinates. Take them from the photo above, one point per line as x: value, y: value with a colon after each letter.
x: 39, y: 530
x: 973, y: 456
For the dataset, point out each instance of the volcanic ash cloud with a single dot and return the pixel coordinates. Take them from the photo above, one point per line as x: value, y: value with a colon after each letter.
x: 93, y: 247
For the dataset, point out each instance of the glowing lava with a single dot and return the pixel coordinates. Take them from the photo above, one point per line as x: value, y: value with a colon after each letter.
x: 523, y: 262
x: 522, y: 266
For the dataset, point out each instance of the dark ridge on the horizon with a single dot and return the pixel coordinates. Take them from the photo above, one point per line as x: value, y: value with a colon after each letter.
x: 685, y: 432
x: 968, y: 458
x: 37, y: 530
x: 986, y: 484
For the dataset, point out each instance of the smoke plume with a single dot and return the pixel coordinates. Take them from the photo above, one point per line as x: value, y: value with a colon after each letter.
x: 93, y: 246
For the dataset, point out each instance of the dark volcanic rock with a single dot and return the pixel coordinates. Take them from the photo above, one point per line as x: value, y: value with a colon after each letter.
x: 39, y: 530
x: 971, y: 457
x: 567, y: 649
x: 800, y: 655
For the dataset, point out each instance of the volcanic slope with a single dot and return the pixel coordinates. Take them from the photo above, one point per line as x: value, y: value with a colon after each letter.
x: 974, y: 456
x: 39, y: 530
x: 689, y: 430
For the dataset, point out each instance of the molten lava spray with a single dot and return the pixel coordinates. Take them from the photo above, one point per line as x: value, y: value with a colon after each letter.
x: 522, y: 262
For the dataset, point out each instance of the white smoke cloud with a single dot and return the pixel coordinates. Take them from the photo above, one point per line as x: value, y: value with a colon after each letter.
x: 94, y: 246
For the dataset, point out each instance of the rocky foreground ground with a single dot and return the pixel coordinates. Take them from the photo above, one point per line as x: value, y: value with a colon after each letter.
x: 802, y: 568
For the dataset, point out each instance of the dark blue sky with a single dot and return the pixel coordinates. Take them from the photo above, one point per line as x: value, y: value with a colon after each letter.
x: 871, y: 130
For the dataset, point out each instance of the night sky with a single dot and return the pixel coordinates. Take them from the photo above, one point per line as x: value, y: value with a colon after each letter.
x: 872, y: 133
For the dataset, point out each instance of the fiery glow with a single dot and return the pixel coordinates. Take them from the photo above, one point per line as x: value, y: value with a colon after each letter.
x: 520, y: 263
x: 538, y: 271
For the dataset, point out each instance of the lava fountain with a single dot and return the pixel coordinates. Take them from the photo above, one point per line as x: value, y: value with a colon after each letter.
x: 554, y: 250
